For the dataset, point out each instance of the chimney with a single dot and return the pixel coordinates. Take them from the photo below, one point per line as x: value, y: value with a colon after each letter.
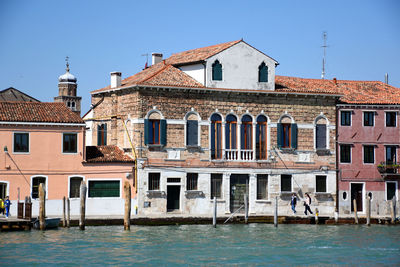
x: 335, y: 80
x: 386, y: 78
x: 115, y: 79
x: 156, y: 58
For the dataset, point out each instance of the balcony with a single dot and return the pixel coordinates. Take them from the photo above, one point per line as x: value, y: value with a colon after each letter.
x: 388, y: 168
x: 238, y: 155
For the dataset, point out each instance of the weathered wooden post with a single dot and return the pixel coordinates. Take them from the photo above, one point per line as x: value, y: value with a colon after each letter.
x: 127, y: 217
x: 68, y: 212
x: 64, y: 203
x: 368, y: 210
x: 392, y: 212
x: 246, y: 209
x: 215, y: 213
x: 276, y: 212
x: 42, y: 211
x: 355, y: 211
x: 83, y: 206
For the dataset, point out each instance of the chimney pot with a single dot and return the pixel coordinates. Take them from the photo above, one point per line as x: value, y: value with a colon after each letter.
x: 115, y: 79
x: 156, y: 58
x: 386, y: 78
x: 335, y: 80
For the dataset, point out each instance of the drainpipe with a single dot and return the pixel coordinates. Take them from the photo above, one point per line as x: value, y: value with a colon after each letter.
x: 337, y: 160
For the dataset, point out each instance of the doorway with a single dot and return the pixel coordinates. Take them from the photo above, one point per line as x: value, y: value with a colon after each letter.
x: 357, y: 194
x: 173, y: 197
x: 239, y: 187
x: 3, y: 190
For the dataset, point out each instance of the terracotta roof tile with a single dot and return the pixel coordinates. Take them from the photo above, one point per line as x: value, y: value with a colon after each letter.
x: 37, y: 112
x: 98, y: 154
x: 198, y: 54
x: 354, y: 92
x: 171, y: 76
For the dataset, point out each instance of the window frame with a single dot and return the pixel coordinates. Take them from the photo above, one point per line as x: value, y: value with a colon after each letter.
x: 104, y: 180
x: 158, y: 188
x: 215, y: 64
x: 230, y: 127
x: 259, y: 144
x: 217, y: 177
x: 340, y: 153
x: 372, y: 120
x: 263, y: 67
x: 395, y: 190
x: 248, y: 138
x: 69, y: 185
x: 46, y: 186
x: 395, y: 154
x: 325, y: 135
x: 187, y: 134
x: 102, y: 133
x: 286, y: 135
x: 218, y: 138
x: 28, y: 145
x: 76, y: 143
x: 395, y: 119
x: 350, y: 117
x: 260, y: 178
x: 291, y: 183
x: 364, y: 154
x: 152, y: 125
x: 326, y: 183
x: 192, y: 181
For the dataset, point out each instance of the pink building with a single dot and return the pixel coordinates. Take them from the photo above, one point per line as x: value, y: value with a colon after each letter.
x: 45, y: 143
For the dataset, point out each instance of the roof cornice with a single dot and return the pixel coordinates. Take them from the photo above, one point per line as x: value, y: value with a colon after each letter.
x: 42, y: 123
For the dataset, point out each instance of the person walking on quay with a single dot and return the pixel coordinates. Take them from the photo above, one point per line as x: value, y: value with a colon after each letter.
x: 307, y: 204
x: 293, y: 202
x: 7, y: 205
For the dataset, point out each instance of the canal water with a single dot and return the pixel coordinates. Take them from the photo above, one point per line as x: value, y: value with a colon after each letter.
x: 202, y: 245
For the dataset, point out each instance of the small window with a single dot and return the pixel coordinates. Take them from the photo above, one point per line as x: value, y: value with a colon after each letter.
x: 320, y: 181
x: 154, y: 181
x: 217, y: 71
x: 21, y: 142
x: 102, y: 134
x: 370, y: 195
x: 263, y: 73
x: 216, y: 185
x: 390, y: 119
x: 70, y: 143
x: 74, y: 187
x: 369, y: 118
x: 345, y: 153
x: 192, y: 127
x: 369, y: 154
x: 344, y: 195
x: 390, y: 190
x: 391, y: 155
x: 345, y: 118
x: 104, y: 189
x: 262, y: 186
x: 191, y: 182
x: 36, y: 181
x: 286, y: 183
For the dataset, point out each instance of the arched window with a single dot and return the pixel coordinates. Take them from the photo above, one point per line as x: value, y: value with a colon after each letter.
x: 192, y: 128
x: 261, y: 137
x: 263, y: 73
x: 246, y: 140
x: 217, y: 71
x: 320, y: 133
x: 155, y: 129
x: 216, y: 136
x: 231, y: 137
x: 287, y: 133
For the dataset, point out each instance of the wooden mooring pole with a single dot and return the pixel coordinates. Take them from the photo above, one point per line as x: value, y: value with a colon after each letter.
x: 392, y: 210
x: 42, y: 210
x: 368, y: 211
x: 83, y: 206
x: 246, y: 209
x: 215, y: 213
x: 68, y: 212
x: 355, y: 211
x: 127, y: 217
x: 276, y: 212
x: 64, y: 217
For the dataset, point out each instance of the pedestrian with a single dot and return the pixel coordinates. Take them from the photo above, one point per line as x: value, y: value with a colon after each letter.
x: 1, y: 206
x: 7, y: 205
x: 307, y: 203
x: 293, y: 202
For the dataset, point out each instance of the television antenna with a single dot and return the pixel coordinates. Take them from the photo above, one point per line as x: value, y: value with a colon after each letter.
x: 324, y: 58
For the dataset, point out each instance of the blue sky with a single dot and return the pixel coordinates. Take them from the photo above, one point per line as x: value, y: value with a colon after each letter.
x: 104, y: 36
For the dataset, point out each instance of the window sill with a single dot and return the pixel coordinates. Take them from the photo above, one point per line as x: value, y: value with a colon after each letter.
x: 156, y: 194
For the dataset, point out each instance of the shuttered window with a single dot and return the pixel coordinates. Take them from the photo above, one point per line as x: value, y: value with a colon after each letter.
x: 263, y: 73
x: 102, y: 134
x: 320, y: 132
x: 104, y: 189
x: 192, y: 132
x: 155, y: 132
x: 217, y: 71
x: 287, y: 135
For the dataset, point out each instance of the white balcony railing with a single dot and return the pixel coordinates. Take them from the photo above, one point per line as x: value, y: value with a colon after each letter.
x: 246, y: 154
x: 231, y: 154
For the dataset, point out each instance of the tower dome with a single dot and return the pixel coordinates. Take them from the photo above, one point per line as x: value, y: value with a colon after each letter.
x: 67, y: 77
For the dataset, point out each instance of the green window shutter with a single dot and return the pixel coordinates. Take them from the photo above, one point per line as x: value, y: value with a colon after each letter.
x: 146, y: 131
x: 217, y: 71
x: 280, y: 135
x: 294, y: 135
x: 163, y: 126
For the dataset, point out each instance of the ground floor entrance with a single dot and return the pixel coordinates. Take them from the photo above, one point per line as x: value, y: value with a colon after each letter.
x: 357, y: 194
x: 3, y: 190
x: 239, y: 184
x: 173, y: 196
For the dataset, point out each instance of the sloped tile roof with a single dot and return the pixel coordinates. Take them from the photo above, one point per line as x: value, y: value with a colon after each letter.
x: 37, y: 112
x: 198, y: 54
x: 354, y: 92
x: 98, y: 154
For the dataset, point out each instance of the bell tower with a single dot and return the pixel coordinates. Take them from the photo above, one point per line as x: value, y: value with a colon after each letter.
x: 67, y: 91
